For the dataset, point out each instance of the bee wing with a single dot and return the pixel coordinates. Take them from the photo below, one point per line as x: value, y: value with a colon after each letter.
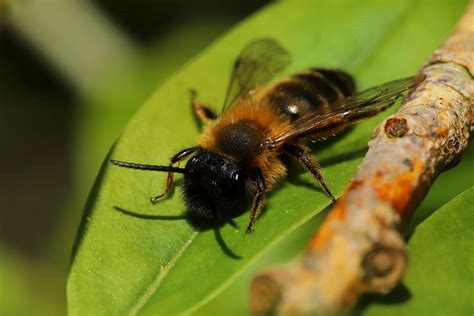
x: 360, y: 106
x: 258, y: 62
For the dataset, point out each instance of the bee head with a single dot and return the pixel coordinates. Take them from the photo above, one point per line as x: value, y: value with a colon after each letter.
x: 214, y: 188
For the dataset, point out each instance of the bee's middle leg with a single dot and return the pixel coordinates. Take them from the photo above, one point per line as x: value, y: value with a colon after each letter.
x: 203, y: 112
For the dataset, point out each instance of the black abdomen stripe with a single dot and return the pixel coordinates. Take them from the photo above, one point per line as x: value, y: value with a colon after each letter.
x: 314, y: 90
x: 344, y: 82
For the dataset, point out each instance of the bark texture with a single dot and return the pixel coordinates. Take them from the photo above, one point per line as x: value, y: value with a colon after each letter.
x: 359, y: 247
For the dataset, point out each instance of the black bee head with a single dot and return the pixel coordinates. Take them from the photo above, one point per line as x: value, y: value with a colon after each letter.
x: 214, y: 188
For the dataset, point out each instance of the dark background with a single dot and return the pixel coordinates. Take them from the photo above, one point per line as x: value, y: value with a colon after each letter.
x: 54, y: 133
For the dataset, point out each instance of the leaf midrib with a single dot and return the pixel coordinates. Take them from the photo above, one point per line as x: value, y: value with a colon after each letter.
x: 153, y: 287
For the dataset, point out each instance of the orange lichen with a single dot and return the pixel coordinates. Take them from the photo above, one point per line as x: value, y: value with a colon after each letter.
x: 398, y: 191
x: 326, y: 230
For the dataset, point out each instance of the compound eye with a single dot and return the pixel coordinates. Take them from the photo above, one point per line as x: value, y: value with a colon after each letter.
x: 235, y: 176
x: 193, y: 159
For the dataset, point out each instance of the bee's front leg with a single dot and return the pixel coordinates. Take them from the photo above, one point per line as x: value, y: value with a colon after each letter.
x: 169, y: 179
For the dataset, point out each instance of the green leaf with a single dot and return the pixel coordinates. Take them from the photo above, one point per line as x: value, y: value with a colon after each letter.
x: 233, y: 300
x: 135, y: 258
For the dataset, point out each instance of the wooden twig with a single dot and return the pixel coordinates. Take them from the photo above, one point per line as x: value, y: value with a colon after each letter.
x: 359, y: 247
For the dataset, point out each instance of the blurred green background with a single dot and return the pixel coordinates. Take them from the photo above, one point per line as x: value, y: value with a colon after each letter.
x: 71, y: 74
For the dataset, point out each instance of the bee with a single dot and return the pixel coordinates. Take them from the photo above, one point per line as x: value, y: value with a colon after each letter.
x: 239, y: 156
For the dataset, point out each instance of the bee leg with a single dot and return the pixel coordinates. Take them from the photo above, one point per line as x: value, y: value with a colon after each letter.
x: 169, y: 179
x: 301, y: 154
x: 258, y: 200
x: 204, y: 113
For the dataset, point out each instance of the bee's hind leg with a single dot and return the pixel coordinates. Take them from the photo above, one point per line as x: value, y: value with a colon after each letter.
x: 203, y: 112
x: 301, y: 154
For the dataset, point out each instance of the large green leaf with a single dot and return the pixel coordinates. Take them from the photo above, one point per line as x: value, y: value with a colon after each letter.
x: 132, y: 257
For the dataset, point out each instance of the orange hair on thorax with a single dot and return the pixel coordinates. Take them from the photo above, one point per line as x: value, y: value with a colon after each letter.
x: 253, y: 108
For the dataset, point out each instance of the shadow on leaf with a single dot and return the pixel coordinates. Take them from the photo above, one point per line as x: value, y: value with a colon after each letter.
x: 217, y: 234
x: 223, y: 245
x: 400, y: 294
x: 150, y: 216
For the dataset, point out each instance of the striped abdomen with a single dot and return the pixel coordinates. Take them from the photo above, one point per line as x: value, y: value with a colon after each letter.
x: 315, y: 90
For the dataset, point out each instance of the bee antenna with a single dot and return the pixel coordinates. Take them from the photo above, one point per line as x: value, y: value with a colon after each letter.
x: 148, y: 167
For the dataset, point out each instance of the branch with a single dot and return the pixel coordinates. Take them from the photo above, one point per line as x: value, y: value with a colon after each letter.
x: 359, y: 247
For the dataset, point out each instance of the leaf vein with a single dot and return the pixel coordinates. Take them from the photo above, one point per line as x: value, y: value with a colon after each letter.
x: 153, y: 287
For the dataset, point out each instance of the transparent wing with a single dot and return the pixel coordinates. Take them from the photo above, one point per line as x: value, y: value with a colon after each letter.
x: 362, y: 105
x: 258, y: 62
x: 373, y: 95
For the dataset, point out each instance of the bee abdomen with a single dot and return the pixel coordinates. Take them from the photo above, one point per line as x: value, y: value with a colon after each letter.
x: 313, y: 90
x: 338, y: 79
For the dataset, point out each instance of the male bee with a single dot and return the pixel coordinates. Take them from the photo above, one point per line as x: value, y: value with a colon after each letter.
x: 239, y: 154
